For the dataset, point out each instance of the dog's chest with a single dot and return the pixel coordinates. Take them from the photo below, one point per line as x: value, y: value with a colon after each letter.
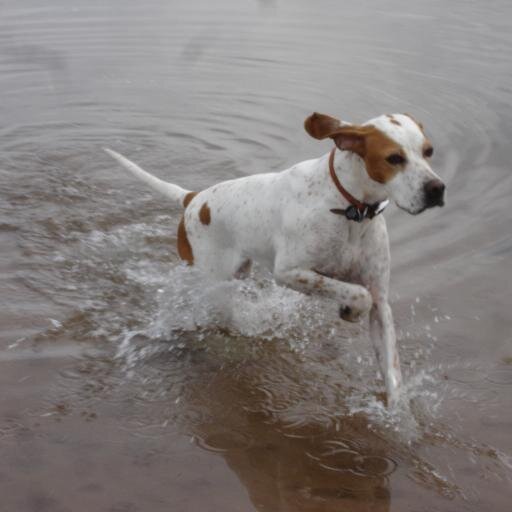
x: 339, y: 248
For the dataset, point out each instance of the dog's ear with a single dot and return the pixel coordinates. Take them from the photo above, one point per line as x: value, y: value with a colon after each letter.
x: 346, y: 137
x: 320, y: 126
x: 352, y: 138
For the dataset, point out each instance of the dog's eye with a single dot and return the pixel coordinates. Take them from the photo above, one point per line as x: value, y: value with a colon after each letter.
x: 396, y: 159
x: 428, y: 152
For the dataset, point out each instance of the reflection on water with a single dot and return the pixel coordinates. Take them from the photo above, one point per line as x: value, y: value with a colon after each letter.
x: 130, y: 383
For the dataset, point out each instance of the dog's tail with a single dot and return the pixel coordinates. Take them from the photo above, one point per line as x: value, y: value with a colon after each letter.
x: 177, y: 194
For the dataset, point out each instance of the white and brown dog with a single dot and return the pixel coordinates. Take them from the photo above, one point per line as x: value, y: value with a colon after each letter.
x: 316, y: 225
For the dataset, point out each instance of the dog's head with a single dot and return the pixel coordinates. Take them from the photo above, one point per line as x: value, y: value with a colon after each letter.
x: 396, y: 153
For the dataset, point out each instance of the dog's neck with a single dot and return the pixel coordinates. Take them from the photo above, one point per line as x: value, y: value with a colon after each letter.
x: 351, y: 172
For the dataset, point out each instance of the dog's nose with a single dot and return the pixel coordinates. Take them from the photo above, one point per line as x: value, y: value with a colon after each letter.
x: 434, y: 193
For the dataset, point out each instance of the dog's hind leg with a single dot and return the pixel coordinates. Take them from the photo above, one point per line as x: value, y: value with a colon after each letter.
x: 219, y: 262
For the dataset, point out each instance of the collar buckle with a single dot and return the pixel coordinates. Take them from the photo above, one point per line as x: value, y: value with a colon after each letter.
x: 354, y: 213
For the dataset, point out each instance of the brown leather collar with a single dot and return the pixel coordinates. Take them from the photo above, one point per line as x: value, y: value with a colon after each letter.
x: 357, y: 210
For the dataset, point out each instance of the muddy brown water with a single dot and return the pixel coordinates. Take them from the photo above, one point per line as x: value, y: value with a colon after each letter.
x: 128, y: 383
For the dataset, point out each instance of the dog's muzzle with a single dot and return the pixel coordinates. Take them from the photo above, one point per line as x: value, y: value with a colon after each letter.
x: 434, y: 193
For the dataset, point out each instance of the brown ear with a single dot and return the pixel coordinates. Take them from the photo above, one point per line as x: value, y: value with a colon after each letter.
x: 346, y: 137
x: 320, y: 126
x: 351, y: 138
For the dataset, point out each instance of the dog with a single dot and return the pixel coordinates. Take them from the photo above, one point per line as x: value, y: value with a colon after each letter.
x: 317, y: 225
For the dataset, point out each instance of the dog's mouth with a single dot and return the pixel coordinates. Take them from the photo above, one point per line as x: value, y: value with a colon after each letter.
x: 432, y: 202
x: 425, y: 206
x: 438, y: 202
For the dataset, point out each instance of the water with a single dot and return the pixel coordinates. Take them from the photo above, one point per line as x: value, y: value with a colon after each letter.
x: 128, y: 382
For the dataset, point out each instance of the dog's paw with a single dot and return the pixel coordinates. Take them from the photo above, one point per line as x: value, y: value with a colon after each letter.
x: 348, y: 314
x: 360, y: 303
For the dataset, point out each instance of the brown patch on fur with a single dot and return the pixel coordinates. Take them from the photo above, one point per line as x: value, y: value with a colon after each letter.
x: 184, y: 247
x: 204, y: 214
x: 378, y: 146
x: 393, y: 120
x: 188, y: 198
x: 302, y: 280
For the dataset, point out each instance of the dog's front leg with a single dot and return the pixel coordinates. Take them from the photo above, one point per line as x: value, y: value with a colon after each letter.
x: 354, y: 300
x: 382, y: 333
x: 374, y: 272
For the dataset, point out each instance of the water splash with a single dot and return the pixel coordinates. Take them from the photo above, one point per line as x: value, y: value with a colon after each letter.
x: 255, y: 307
x: 259, y: 309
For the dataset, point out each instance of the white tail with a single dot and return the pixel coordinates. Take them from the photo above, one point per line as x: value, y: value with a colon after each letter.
x: 174, y: 192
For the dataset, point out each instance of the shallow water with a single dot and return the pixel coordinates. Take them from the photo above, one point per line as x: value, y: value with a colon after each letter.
x: 128, y: 382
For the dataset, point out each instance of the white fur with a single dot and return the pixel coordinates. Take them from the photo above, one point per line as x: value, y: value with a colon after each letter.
x: 283, y: 221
